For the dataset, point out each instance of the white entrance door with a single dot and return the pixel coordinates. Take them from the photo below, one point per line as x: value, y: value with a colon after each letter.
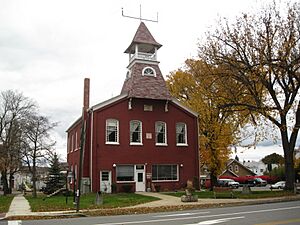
x: 105, y: 181
x: 140, y: 178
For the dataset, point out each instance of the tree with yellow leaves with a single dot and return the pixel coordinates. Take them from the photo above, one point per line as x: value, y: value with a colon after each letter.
x: 218, y: 128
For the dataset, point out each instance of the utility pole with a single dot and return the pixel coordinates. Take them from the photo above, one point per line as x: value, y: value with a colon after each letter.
x: 82, y: 138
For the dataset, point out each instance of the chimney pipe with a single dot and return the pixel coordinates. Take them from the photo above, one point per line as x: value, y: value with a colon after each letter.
x: 86, y: 94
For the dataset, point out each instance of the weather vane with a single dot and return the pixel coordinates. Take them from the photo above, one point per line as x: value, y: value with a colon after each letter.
x: 140, y: 18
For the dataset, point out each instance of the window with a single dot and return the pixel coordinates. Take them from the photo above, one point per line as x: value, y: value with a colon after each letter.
x: 69, y: 144
x: 230, y: 168
x: 125, y: 173
x: 236, y: 168
x: 72, y: 143
x: 128, y: 74
x: 76, y: 141
x: 135, y: 132
x: 149, y: 71
x: 164, y: 172
x: 112, y: 131
x: 181, y: 137
x: 160, y: 133
x: 105, y: 176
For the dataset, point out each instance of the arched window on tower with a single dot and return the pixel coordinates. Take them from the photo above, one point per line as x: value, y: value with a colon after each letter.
x: 149, y: 71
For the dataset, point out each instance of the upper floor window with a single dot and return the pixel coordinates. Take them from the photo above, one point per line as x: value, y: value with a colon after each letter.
x: 148, y: 71
x: 181, y: 134
x: 236, y: 168
x: 135, y: 132
x: 69, y: 144
x: 72, y: 142
x: 112, y: 131
x: 160, y: 133
x: 76, y: 141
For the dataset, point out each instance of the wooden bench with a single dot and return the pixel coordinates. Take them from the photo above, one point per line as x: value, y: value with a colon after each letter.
x: 223, y: 190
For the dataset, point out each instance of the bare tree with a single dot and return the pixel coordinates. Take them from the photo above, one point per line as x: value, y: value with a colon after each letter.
x: 261, y: 53
x: 14, y: 108
x: 37, y: 144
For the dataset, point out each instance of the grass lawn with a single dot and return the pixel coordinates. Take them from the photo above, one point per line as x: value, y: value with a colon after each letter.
x: 237, y: 194
x: 5, y: 203
x: 87, y: 201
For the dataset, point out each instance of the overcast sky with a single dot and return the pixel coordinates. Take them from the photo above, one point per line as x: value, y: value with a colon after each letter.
x: 47, y: 48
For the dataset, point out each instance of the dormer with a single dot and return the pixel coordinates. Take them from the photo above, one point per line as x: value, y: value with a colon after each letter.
x: 143, y: 46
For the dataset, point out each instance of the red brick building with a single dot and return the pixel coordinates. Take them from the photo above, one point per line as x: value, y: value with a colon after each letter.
x: 141, y: 139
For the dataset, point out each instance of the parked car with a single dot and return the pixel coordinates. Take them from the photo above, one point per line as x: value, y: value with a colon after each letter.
x: 278, y: 185
x: 228, y: 183
x: 256, y: 182
x: 260, y: 182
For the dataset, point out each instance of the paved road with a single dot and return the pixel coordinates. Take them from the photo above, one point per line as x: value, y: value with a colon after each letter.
x: 264, y: 214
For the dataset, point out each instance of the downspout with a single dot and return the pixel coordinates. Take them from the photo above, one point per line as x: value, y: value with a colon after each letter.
x: 91, y: 149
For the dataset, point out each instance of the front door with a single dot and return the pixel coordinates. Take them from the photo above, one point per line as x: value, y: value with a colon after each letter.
x: 140, y: 178
x: 105, y: 181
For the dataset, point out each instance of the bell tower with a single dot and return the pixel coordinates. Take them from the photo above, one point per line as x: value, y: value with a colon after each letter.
x: 144, y: 78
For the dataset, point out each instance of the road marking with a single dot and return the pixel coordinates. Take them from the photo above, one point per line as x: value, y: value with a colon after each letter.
x: 280, y: 222
x: 198, y: 217
x: 15, y: 222
x: 181, y: 214
x: 208, y: 222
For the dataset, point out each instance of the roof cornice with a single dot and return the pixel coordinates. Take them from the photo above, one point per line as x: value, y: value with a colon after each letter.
x: 107, y: 102
x: 174, y: 100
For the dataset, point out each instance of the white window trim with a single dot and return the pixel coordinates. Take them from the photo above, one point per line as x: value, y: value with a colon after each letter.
x: 166, y: 140
x: 148, y: 67
x: 161, y: 144
x: 182, y: 145
x: 72, y: 143
x: 108, y: 142
x: 76, y: 142
x: 185, y: 134
x: 136, y: 143
x: 141, y: 133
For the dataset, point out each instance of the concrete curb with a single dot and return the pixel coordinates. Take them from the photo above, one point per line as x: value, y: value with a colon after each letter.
x: 141, y: 210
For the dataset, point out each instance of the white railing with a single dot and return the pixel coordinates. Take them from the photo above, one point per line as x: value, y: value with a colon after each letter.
x: 144, y: 56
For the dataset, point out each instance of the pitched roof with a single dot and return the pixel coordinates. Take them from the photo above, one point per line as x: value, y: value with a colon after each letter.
x: 142, y: 36
x: 151, y: 87
x: 240, y: 164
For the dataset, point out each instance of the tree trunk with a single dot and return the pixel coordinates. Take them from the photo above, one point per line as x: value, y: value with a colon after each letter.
x: 5, y: 183
x: 11, y: 185
x: 34, y: 183
x: 289, y: 169
x: 213, y: 180
x: 288, y: 149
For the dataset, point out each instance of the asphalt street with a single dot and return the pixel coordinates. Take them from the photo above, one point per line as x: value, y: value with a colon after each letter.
x: 264, y: 214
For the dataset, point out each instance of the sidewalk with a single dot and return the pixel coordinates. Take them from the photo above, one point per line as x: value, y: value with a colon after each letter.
x: 19, y: 206
x: 168, y: 200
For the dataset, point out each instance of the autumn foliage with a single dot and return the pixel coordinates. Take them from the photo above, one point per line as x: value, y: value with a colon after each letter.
x: 195, y: 87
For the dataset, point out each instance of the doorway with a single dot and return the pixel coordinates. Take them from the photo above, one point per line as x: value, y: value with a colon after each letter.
x: 140, y: 178
x: 105, y: 181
